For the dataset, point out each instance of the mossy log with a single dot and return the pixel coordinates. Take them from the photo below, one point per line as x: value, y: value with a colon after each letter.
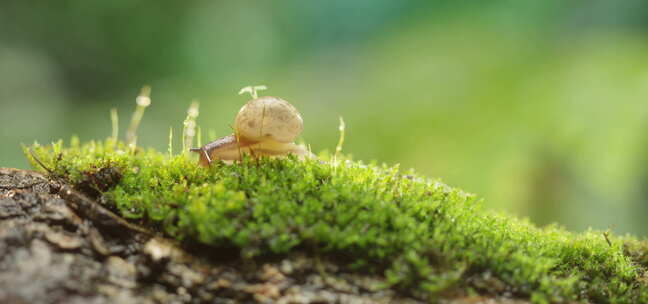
x: 53, y: 252
x: 339, y: 231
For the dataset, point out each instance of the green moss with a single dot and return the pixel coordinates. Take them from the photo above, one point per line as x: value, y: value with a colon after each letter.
x: 423, y: 235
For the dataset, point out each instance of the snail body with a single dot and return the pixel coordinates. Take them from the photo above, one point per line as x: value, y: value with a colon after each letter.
x: 265, y: 126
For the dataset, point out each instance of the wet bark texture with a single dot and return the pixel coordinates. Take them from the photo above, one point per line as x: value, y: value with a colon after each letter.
x: 59, y: 246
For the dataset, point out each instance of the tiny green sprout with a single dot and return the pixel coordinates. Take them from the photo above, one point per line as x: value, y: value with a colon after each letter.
x: 338, y: 148
x: 114, y: 119
x: 143, y: 100
x: 189, y: 125
x: 199, y: 135
x: 253, y: 90
x: 170, y: 148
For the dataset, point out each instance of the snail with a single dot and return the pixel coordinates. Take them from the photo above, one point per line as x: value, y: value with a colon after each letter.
x: 265, y: 126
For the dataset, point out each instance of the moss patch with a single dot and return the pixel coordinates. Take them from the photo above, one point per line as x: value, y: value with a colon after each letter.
x: 424, y: 236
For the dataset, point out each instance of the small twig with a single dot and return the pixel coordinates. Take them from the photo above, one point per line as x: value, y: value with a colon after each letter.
x: 606, y: 234
x: 39, y: 162
x: 207, y: 157
x: 98, y: 214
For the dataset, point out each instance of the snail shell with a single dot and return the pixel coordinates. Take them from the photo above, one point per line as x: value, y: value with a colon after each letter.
x: 269, y: 118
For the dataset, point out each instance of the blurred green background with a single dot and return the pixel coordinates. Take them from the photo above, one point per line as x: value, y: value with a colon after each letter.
x: 540, y: 107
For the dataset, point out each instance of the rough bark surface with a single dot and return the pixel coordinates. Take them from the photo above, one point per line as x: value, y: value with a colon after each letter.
x: 58, y: 246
